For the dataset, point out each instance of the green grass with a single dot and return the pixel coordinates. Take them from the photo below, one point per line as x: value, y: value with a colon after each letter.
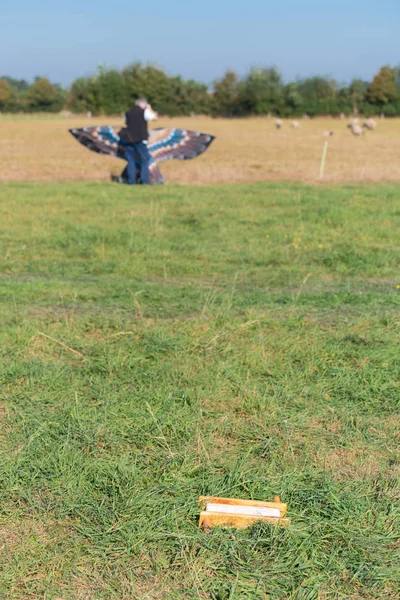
x: 160, y: 344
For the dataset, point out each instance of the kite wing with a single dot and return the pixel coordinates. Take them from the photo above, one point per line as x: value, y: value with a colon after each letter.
x: 103, y: 140
x: 164, y: 144
x: 181, y: 144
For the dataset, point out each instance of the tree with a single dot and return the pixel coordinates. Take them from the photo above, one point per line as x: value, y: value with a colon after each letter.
x: 190, y: 97
x: 320, y: 95
x: 356, y: 93
x: 6, y: 95
x: 112, y: 92
x: 292, y: 99
x: 84, y: 95
x: 226, y: 96
x: 19, y: 85
x: 384, y: 87
x: 151, y: 83
x: 44, y: 96
x: 319, y: 87
x: 262, y: 91
x: 113, y: 96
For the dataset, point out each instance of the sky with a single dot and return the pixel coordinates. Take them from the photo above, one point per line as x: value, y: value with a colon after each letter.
x: 199, y: 39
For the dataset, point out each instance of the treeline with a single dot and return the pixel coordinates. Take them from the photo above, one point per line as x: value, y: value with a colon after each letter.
x: 260, y: 92
x: 16, y: 95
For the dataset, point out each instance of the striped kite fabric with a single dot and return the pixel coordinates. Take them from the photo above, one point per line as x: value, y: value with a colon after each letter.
x: 164, y: 144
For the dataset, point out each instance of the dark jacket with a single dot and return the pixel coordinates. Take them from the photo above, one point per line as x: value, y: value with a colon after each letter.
x: 136, y: 125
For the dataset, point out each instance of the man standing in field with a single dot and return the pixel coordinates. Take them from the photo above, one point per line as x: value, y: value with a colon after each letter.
x: 136, y: 151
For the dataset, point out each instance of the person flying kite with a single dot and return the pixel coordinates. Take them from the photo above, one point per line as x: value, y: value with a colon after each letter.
x: 143, y: 149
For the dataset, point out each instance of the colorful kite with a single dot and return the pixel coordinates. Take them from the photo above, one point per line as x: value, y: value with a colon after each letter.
x: 164, y: 144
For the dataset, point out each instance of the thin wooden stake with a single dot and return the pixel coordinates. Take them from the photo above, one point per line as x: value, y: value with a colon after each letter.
x: 323, y: 159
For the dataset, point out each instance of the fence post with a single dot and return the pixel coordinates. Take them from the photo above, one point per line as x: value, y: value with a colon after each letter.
x: 323, y: 159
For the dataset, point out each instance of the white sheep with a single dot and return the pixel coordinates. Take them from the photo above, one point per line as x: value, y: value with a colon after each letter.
x: 370, y: 124
x: 354, y: 121
x: 278, y: 123
x: 356, y: 129
x: 295, y: 125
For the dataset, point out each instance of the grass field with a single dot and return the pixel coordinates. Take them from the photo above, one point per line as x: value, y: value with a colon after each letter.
x: 245, y: 150
x: 158, y: 344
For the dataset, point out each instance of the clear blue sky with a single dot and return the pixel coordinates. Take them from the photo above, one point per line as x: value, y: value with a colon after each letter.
x: 199, y: 38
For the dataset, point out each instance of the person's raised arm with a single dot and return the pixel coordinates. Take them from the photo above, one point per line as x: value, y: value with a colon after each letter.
x: 150, y: 114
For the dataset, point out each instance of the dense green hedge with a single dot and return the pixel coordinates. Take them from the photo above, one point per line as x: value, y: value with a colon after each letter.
x: 261, y: 91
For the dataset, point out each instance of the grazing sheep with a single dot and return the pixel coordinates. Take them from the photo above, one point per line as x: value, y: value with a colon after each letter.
x: 370, y: 124
x: 328, y: 133
x: 295, y: 125
x: 354, y: 121
x: 355, y: 129
x: 278, y: 123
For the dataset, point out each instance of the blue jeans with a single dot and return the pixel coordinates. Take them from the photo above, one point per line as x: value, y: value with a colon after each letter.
x: 138, y: 157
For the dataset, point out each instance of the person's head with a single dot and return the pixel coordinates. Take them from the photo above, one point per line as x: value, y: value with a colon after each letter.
x: 142, y: 102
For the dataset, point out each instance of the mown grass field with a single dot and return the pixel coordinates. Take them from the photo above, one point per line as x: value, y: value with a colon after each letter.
x: 245, y: 150
x: 159, y: 344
